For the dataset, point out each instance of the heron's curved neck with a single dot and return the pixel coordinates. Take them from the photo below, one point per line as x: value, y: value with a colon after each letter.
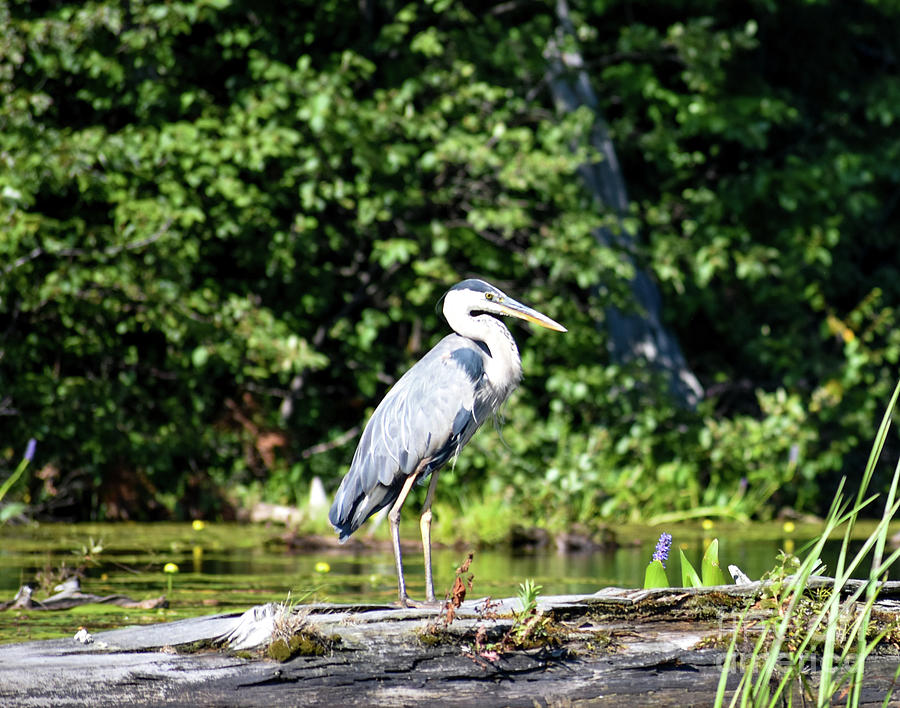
x: 504, y: 367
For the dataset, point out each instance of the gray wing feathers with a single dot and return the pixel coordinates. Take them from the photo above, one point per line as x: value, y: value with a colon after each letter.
x: 433, y: 402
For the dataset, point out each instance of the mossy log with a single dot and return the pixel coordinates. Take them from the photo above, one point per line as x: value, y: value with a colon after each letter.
x: 618, y: 647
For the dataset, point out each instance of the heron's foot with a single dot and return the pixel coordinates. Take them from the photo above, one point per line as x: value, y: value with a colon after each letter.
x: 405, y: 601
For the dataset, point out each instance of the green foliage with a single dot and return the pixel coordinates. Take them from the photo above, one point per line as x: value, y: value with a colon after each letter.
x: 226, y: 228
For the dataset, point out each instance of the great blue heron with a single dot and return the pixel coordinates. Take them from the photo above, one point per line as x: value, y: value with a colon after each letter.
x: 432, y: 412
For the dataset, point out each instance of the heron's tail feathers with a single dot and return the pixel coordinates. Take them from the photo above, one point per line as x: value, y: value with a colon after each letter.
x: 353, y: 504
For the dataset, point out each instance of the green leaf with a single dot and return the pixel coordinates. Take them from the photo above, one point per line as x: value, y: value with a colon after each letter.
x: 709, y: 567
x: 200, y: 356
x: 655, y: 576
x: 10, y: 510
x: 689, y: 577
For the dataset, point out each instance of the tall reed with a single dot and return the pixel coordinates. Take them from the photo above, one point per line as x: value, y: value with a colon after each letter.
x: 841, y: 630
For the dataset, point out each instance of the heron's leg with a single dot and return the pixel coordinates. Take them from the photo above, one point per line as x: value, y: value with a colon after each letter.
x: 394, y: 518
x: 425, y: 527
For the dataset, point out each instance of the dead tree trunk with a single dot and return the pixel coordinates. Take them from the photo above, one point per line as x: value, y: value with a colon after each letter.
x: 632, y: 335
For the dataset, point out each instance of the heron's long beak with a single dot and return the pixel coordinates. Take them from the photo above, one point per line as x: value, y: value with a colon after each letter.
x: 523, y: 312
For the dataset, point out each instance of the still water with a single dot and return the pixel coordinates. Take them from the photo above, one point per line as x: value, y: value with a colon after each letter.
x: 228, y: 568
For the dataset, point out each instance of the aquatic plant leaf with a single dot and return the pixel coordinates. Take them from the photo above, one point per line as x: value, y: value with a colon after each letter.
x: 689, y: 577
x: 655, y: 576
x: 710, y: 569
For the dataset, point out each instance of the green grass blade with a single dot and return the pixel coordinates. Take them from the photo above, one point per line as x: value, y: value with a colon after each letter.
x: 887, y: 698
x: 794, y: 588
x: 757, y: 686
x: 881, y: 535
x: 12, y: 479
x: 879, y: 442
x: 726, y: 666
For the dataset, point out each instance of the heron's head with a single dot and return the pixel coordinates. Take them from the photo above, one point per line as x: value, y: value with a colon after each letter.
x: 473, y: 296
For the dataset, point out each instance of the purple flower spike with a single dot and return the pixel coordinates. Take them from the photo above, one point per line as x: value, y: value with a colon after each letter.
x: 29, y: 449
x: 661, y: 553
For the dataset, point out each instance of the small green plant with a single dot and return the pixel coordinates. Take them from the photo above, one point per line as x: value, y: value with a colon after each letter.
x: 90, y: 552
x: 655, y: 575
x: 530, y: 624
x: 711, y: 572
x: 528, y: 595
x: 87, y: 554
x: 777, y: 580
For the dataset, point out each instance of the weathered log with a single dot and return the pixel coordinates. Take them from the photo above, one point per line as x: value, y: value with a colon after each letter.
x: 617, y: 647
x: 70, y: 596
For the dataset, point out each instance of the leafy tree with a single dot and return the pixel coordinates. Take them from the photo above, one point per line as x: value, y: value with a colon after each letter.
x: 227, y: 224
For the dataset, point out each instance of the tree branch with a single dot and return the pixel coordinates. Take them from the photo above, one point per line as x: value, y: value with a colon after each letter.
x: 37, y: 252
x: 341, y: 439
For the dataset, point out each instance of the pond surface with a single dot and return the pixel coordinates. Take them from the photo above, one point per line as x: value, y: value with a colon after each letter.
x: 229, y: 568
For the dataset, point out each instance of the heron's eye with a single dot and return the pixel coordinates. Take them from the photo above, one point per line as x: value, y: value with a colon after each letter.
x: 489, y: 296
